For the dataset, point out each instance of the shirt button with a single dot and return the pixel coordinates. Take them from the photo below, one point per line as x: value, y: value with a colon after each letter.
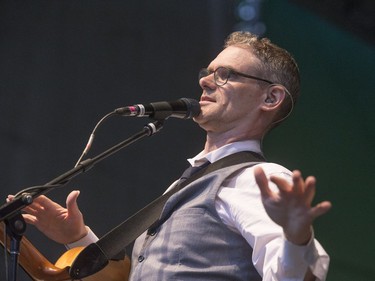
x: 141, y: 258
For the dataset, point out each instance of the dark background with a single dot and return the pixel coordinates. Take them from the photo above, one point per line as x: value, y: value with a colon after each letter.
x: 65, y: 64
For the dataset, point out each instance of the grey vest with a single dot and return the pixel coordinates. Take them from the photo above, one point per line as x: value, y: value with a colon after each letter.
x: 191, y: 242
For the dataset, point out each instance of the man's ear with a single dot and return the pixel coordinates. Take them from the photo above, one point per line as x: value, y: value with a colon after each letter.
x: 274, y: 97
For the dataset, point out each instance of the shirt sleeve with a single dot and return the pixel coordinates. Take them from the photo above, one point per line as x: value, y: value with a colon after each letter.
x: 84, y: 241
x: 240, y: 207
x: 296, y: 259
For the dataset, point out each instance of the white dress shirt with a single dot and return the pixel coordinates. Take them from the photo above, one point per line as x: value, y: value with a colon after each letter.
x: 240, y: 207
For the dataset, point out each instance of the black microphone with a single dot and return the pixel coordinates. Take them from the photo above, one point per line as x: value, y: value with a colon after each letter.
x: 183, y: 108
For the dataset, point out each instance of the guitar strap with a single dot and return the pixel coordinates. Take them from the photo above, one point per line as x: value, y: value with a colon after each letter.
x: 96, y: 255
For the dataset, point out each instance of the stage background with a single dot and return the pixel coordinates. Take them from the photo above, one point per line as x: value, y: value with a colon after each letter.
x: 65, y: 64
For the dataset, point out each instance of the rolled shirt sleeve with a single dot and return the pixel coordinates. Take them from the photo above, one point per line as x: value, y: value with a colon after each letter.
x: 84, y: 241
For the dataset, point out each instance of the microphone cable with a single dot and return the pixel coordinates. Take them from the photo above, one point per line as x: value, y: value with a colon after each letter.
x: 92, y: 137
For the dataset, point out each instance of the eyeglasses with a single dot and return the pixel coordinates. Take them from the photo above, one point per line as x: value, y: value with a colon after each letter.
x: 222, y: 74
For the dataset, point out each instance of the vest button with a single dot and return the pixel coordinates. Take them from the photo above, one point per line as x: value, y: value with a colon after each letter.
x: 141, y: 258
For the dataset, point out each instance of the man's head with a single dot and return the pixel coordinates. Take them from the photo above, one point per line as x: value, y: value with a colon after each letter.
x: 277, y: 65
x: 248, y: 88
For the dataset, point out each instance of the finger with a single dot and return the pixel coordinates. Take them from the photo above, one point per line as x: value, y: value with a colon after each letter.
x: 320, y: 209
x: 30, y: 219
x: 31, y: 210
x: 44, y: 202
x: 262, y: 181
x: 36, y: 204
x: 282, y: 184
x: 310, y: 189
x: 298, y: 182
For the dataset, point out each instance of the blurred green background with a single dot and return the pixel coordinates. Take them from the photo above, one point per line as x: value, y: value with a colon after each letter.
x: 332, y: 132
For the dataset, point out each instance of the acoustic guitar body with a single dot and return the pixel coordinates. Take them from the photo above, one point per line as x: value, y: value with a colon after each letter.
x: 39, y: 268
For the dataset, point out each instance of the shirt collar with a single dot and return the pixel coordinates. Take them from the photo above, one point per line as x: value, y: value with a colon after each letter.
x: 228, y: 149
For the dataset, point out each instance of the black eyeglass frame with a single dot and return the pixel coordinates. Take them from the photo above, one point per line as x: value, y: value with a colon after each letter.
x: 205, y: 72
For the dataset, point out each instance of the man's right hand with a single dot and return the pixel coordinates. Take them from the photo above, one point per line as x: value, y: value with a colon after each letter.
x: 63, y: 225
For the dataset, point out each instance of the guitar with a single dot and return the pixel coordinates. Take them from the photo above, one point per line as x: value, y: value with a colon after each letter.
x: 40, y: 269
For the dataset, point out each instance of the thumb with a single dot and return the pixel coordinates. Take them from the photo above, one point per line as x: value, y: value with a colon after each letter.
x: 71, y: 202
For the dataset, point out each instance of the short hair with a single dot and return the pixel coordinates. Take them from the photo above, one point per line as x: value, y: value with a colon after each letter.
x: 277, y: 65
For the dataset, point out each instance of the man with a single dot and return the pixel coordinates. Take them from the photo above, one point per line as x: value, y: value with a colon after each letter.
x: 244, y: 222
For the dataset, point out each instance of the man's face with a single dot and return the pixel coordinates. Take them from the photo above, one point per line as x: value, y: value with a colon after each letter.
x: 235, y: 105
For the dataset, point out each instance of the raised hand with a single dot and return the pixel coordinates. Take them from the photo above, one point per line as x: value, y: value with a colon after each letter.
x: 291, y: 207
x: 63, y: 225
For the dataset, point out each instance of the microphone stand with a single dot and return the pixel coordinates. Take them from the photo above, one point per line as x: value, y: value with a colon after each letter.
x: 10, y: 212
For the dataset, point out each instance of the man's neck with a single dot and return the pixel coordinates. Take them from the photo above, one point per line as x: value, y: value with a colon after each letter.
x: 215, y: 141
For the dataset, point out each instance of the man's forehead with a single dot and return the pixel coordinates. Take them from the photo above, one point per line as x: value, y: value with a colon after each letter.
x: 235, y: 57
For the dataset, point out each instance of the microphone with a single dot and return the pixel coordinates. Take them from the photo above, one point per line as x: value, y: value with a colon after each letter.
x: 183, y: 108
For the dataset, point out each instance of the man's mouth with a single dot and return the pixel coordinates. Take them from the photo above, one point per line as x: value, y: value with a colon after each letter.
x: 207, y: 99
